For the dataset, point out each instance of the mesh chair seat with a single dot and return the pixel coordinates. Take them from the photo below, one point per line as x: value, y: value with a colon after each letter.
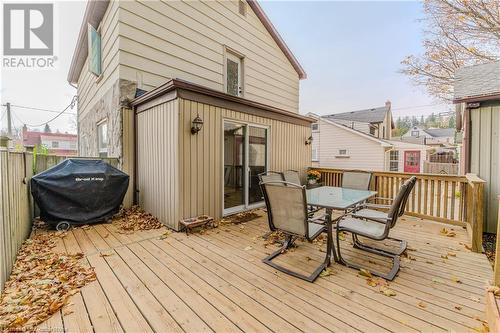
x: 371, y: 214
x: 292, y: 176
x: 363, y: 227
x: 377, y: 206
x: 356, y: 180
x: 315, y: 230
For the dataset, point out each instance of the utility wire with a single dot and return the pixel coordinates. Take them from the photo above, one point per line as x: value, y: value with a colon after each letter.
x: 416, y: 106
x: 72, y: 104
x: 38, y: 109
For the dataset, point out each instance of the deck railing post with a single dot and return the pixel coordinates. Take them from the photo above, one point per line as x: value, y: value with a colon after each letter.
x: 475, y: 210
x: 497, y: 253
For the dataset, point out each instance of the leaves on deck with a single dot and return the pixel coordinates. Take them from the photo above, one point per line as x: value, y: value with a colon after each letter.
x: 134, y: 219
x: 242, y: 217
x: 447, y: 233
x: 387, y: 291
x: 41, y: 283
x: 365, y: 273
x: 326, y: 272
x: 494, y: 289
x: 422, y: 305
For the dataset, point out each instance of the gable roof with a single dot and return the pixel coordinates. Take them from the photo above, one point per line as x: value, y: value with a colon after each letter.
x: 96, y: 9
x: 440, y: 132
x: 372, y: 116
x: 480, y: 82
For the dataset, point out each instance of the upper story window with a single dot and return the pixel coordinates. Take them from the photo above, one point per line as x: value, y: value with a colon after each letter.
x: 55, y: 144
x: 414, y: 133
x: 234, y: 74
x: 372, y: 130
x: 315, y: 127
x: 94, y: 56
x: 102, y: 138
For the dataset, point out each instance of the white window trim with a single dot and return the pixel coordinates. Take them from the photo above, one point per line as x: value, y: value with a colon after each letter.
x: 99, y: 123
x: 231, y: 53
x: 317, y: 127
x: 346, y: 155
x: 314, y: 157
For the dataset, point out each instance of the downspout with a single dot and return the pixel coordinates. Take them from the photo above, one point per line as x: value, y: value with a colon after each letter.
x: 466, y: 139
x: 136, y: 190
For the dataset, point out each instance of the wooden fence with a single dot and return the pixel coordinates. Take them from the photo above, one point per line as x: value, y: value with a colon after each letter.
x: 451, y: 199
x: 16, y: 205
x: 441, y: 168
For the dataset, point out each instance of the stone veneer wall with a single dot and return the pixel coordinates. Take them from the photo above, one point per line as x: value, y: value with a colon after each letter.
x: 110, y: 107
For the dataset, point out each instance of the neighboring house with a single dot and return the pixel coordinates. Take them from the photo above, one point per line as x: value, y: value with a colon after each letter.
x: 377, y: 122
x: 477, y: 99
x: 430, y: 136
x: 336, y: 145
x: 195, y: 98
x: 62, y: 144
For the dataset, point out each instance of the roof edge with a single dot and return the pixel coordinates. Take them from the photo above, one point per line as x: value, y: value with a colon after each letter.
x: 94, y: 12
x: 175, y: 84
x: 477, y: 98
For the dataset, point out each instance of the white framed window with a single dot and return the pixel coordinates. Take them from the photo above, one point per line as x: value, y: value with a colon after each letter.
x: 315, y: 127
x: 414, y: 133
x: 94, y: 51
x: 102, y: 138
x: 342, y: 153
x: 394, y: 160
x: 234, y: 74
x: 55, y: 144
x: 314, y: 156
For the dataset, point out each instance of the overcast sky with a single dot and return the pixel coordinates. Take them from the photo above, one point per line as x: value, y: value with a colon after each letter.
x: 351, y: 52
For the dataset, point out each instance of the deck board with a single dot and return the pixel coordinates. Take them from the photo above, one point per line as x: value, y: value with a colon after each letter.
x: 216, y: 282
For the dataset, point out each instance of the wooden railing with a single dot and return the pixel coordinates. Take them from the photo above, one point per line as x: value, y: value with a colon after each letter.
x: 16, y: 205
x: 451, y: 199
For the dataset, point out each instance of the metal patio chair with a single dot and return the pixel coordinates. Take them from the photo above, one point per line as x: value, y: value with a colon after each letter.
x: 287, y: 211
x: 356, y: 180
x: 368, y: 210
x: 377, y: 230
x: 292, y: 176
x: 264, y: 177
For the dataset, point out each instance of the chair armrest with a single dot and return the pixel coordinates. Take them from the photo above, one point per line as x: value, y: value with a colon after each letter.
x: 320, y: 219
x: 381, y: 206
x: 381, y: 199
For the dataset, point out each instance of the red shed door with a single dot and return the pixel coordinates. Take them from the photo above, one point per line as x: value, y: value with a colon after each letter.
x: 412, y: 161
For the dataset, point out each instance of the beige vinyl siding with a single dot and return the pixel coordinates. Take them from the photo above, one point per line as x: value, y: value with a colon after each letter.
x: 484, y: 156
x: 90, y: 88
x: 160, y: 40
x: 157, y: 162
x: 200, y: 155
x: 364, y: 153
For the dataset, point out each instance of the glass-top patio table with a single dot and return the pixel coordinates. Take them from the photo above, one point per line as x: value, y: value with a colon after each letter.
x: 335, y: 198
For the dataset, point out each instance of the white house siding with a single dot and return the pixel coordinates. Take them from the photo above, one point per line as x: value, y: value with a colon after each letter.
x: 364, y: 153
x: 160, y: 40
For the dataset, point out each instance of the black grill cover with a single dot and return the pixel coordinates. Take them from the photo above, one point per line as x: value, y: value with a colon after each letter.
x: 79, y: 191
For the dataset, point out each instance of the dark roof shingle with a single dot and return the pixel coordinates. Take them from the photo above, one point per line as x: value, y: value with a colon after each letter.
x: 375, y: 115
x: 477, y: 81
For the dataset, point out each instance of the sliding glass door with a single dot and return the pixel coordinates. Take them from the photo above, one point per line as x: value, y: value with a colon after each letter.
x: 245, y: 156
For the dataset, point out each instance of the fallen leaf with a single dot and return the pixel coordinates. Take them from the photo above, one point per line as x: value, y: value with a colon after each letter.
x: 248, y: 248
x: 458, y: 307
x: 365, y: 273
x: 444, y: 256
x: 387, y: 292
x: 452, y: 254
x: 326, y: 272
x: 451, y: 234
x: 105, y: 254
x: 422, y: 305
x: 455, y: 279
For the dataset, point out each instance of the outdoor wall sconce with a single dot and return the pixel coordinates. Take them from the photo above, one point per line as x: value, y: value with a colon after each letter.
x: 309, y: 140
x: 197, y: 124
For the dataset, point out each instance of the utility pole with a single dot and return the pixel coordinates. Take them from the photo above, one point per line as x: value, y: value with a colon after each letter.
x: 9, y: 120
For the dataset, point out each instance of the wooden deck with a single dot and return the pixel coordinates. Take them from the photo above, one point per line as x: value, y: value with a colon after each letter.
x: 216, y: 282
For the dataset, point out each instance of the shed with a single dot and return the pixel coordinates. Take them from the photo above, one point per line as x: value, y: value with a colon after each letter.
x: 181, y: 173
